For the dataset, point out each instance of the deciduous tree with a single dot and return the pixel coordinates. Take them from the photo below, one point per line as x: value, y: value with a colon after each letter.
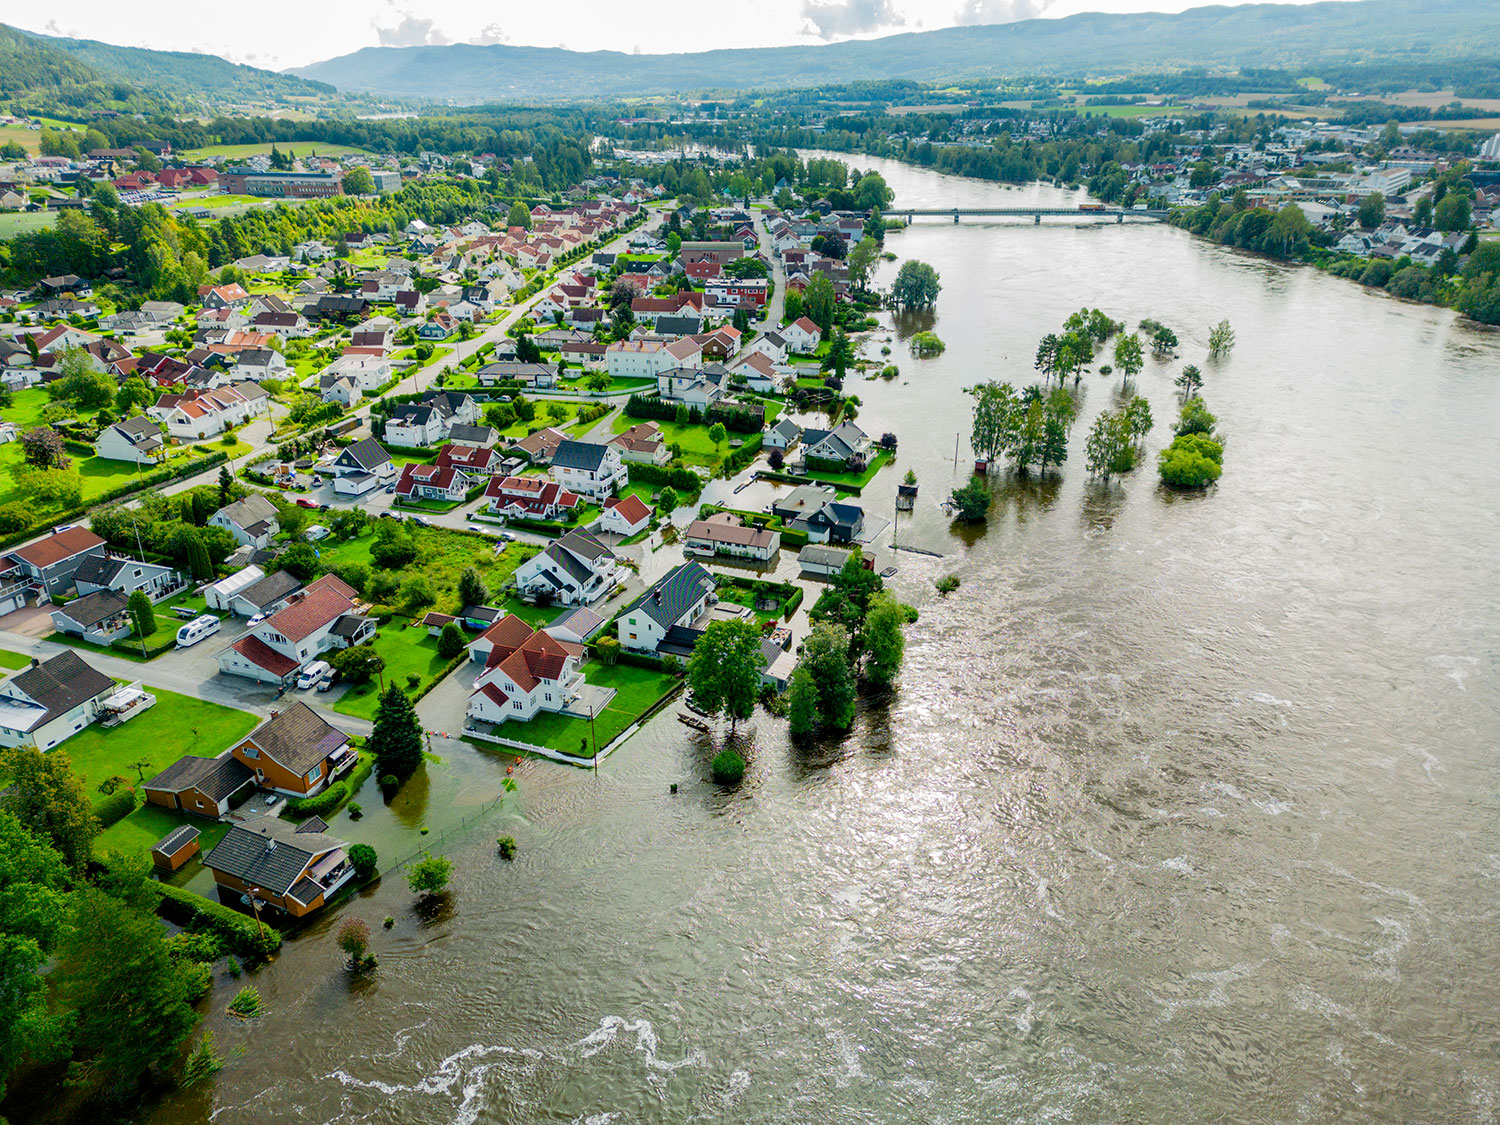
x: 724, y: 670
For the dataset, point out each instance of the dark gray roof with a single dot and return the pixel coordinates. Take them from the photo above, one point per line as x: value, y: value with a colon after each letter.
x: 138, y: 429
x: 93, y: 608
x: 349, y: 625
x: 298, y: 738
x: 566, y: 561
x: 584, y: 455
x: 181, y: 835
x: 482, y: 434
x: 673, y: 594
x: 366, y: 453
x: 678, y: 325
x: 270, y: 589
x: 217, y: 778
x: 99, y: 570
x: 312, y: 824
x: 585, y: 545
x: 251, y: 510
x: 269, y: 853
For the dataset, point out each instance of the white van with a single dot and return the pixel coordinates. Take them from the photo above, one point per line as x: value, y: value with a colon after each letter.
x: 313, y: 674
x: 196, y: 629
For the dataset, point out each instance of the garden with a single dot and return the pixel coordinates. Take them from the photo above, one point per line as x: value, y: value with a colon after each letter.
x: 637, y: 691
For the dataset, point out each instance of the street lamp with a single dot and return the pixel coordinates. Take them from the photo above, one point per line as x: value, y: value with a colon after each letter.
x: 253, y: 894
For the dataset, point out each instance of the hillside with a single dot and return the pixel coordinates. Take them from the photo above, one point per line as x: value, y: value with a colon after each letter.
x: 55, y: 76
x: 1256, y: 35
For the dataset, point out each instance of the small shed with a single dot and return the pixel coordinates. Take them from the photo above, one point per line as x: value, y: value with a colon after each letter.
x: 175, y: 848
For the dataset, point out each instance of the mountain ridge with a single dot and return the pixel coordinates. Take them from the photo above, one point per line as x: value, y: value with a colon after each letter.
x: 1252, y: 35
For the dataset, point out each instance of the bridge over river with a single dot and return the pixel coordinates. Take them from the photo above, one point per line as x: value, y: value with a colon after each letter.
x: 1036, y: 214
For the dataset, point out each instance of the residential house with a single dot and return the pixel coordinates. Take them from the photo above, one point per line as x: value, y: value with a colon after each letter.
x: 782, y: 435
x: 642, y: 445
x: 847, y: 446
x: 433, y: 482
x: 624, y: 515
x: 540, y: 446
x: 100, y: 618
x: 292, y: 868
x: 526, y: 671
x: 368, y: 373
x: 50, y: 563
x: 668, y: 609
x: 475, y: 460
x: 772, y: 345
x: 201, y: 414
x: 259, y: 363
x: 250, y: 592
x: 536, y: 375
x: 50, y: 701
x: 440, y: 327
x: 723, y: 533
x: 531, y: 498
x: 362, y: 467
x: 589, y: 469
x: 575, y: 569
x: 836, y: 522
x: 575, y: 626
x: 691, y: 387
x: 646, y: 359
x: 802, y: 336
x: 252, y: 521
x: 429, y: 422
x: 223, y: 296
x: 296, y: 752
x: 479, y: 437
x: 822, y: 561
x: 137, y: 440
x: 203, y: 786
x: 320, y: 617
x: 126, y: 576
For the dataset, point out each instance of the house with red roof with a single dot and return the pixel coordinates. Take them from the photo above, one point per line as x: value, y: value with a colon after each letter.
x: 475, y: 460
x: 433, y: 482
x: 321, y: 616
x: 624, y: 515
x: 525, y: 671
x: 531, y: 498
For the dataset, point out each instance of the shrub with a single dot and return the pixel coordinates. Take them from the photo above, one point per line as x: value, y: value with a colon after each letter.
x: 382, y: 614
x: 507, y: 846
x: 363, y: 859
x: 1189, y: 462
x: 429, y: 875
x: 451, y: 641
x: 355, y: 811
x: 947, y: 584
x: 246, y: 1003
x: 728, y: 768
x: 115, y: 807
x: 238, y: 931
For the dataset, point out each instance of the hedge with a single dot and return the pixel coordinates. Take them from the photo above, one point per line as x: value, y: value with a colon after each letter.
x: 335, y: 795
x: 680, y: 480
x: 116, y: 807
x: 242, y: 934
x: 742, y: 456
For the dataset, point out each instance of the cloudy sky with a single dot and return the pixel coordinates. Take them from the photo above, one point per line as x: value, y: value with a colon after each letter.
x: 284, y: 33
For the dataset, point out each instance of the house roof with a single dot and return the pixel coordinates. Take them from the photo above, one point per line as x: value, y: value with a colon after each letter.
x: 216, y: 778
x: 176, y: 839
x: 251, y: 510
x: 259, y: 653
x: 269, y: 853
x: 102, y: 570
x: 57, y: 547
x: 298, y: 738
x: 92, y: 609
x: 270, y: 589
x: 671, y: 596
x: 582, y: 455
x: 59, y: 685
x: 366, y: 453
x: 584, y: 545
x: 730, y: 530
x: 631, y: 508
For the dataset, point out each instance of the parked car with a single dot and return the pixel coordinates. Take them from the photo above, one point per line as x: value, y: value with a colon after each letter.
x: 420, y: 521
x: 315, y: 532
x: 327, y: 682
x: 304, y: 502
x: 256, y: 620
x: 313, y: 674
x: 317, y: 480
x: 390, y: 488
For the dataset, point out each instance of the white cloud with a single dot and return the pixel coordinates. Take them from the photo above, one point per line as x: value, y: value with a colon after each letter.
x: 835, y: 19
x: 489, y: 35
x: 1001, y: 11
x: 412, y: 32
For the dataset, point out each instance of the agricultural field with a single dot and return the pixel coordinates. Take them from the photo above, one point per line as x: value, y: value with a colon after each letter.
x: 296, y: 148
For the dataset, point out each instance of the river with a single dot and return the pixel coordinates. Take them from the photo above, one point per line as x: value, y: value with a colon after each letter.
x: 1185, y: 810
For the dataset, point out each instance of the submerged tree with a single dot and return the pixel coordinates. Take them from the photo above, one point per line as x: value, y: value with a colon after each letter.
x: 724, y: 670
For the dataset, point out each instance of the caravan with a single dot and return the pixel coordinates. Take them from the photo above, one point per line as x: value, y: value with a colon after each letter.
x: 196, y: 629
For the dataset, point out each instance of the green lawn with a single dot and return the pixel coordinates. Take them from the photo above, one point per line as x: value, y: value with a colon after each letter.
x: 177, y: 725
x: 149, y: 823
x: 407, y: 650
x: 854, y: 480
x: 13, y: 659
x: 438, y: 353
x: 444, y: 554
x: 26, y: 409
x: 637, y: 690
x: 696, y: 448
x: 13, y: 223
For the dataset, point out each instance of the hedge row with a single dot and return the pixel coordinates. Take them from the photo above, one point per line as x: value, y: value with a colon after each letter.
x: 742, y: 456
x: 115, y: 808
x: 147, y: 481
x: 332, y: 798
x: 683, y: 481
x: 242, y: 934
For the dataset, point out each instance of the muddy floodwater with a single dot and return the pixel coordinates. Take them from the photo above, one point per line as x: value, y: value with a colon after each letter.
x: 1187, y: 807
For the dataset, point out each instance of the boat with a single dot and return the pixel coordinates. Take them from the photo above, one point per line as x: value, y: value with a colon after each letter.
x: 694, y: 722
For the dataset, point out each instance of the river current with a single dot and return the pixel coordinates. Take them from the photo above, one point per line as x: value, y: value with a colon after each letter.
x: 1185, y: 809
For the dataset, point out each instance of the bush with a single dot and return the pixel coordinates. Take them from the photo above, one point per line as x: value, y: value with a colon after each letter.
x: 382, y: 614
x: 115, y: 807
x: 507, y: 846
x: 728, y: 768
x: 684, y: 481
x: 1191, y: 461
x: 451, y: 641
x: 946, y: 584
x: 364, y: 861
x: 238, y: 931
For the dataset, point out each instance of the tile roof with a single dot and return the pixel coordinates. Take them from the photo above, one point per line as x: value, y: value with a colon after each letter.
x: 631, y: 508
x: 671, y: 596
x: 57, y: 547
x: 217, y: 778
x: 60, y: 684
x: 259, y: 653
x: 269, y: 853
x: 319, y: 607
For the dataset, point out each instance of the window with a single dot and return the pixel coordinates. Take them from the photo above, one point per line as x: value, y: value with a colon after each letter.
x: 250, y: 750
x: 517, y: 705
x: 315, y: 773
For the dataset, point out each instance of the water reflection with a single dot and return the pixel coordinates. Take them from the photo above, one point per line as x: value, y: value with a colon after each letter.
x: 409, y: 803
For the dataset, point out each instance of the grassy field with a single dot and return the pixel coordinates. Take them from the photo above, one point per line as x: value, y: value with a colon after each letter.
x: 177, y: 725
x: 637, y: 690
x: 696, y: 448
x: 443, y: 556
x: 13, y: 659
x: 13, y: 223
x: 408, y: 651
x: 149, y: 823
x: 29, y: 139
x: 854, y: 480
x: 296, y: 148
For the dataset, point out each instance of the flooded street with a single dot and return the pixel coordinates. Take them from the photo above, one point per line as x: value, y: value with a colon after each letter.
x: 1185, y: 809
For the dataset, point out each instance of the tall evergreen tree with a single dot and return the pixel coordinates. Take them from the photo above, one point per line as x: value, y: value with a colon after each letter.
x: 141, y: 616
x: 397, y: 738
